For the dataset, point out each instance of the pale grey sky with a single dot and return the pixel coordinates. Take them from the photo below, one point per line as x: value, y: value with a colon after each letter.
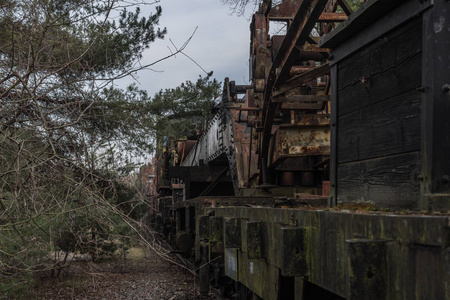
x: 220, y: 44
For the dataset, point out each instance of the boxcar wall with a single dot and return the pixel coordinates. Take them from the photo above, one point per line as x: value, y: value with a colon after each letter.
x: 390, y: 142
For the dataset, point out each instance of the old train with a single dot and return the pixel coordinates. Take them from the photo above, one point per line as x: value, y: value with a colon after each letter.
x: 329, y: 176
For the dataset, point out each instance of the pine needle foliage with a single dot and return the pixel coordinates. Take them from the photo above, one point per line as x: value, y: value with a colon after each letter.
x: 66, y: 132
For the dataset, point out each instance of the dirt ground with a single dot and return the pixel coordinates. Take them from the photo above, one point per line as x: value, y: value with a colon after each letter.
x: 143, y: 275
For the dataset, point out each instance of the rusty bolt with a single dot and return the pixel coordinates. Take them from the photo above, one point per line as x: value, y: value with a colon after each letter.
x: 421, y: 89
x: 365, y: 80
x: 445, y: 179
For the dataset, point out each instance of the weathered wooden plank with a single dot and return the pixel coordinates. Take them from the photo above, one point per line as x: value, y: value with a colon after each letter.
x: 333, y: 137
x: 383, y: 55
x: 395, y: 81
x: 367, y: 269
x: 436, y: 99
x: 371, y: 12
x: 388, y: 182
x: 386, y: 128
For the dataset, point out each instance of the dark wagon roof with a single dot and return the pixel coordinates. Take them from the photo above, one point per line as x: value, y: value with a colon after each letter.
x: 369, y: 13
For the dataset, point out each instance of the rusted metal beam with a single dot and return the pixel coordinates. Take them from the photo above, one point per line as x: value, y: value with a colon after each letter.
x: 304, y: 21
x: 298, y: 33
x: 311, y: 120
x: 284, y: 11
x: 297, y: 81
x: 259, y: 49
x: 345, y: 7
x: 301, y: 98
x: 324, y: 17
x: 331, y: 6
x: 301, y: 140
x: 242, y: 89
x: 333, y: 17
x: 265, y: 7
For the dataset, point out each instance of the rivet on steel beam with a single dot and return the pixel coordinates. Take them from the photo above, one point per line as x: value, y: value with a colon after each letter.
x: 446, y: 88
x: 333, y: 124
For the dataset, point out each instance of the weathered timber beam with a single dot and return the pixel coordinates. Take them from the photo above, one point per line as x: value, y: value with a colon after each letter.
x: 265, y: 7
x: 299, y: 80
x: 301, y: 98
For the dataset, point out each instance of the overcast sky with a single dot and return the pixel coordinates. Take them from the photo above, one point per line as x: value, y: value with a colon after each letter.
x: 220, y: 44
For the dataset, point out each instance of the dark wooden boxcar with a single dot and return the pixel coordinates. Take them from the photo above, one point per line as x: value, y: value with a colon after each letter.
x: 390, y: 70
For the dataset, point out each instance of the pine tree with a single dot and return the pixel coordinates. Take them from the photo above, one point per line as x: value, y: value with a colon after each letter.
x: 62, y: 125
